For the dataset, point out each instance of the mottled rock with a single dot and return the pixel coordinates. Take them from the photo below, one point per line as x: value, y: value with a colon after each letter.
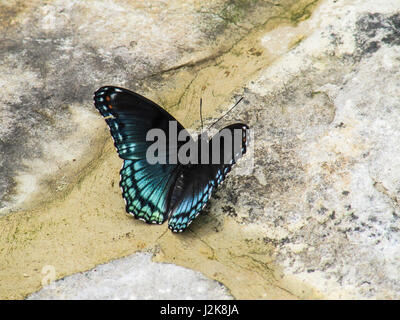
x: 134, y: 277
x: 316, y: 217
x: 333, y: 133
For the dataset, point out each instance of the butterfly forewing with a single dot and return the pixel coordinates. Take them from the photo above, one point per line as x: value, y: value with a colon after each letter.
x: 145, y: 187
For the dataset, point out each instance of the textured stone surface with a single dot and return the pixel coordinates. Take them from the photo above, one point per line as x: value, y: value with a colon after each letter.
x: 134, y: 277
x: 332, y: 166
x: 317, y: 218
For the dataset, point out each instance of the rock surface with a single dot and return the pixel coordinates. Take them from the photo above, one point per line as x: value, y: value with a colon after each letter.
x: 317, y: 217
x: 132, y: 278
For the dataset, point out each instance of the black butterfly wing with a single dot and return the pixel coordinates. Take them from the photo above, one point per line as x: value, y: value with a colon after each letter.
x: 145, y: 187
x: 196, y: 182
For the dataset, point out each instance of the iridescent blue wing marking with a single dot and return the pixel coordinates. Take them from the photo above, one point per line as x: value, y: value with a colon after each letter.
x: 195, y: 183
x: 145, y: 187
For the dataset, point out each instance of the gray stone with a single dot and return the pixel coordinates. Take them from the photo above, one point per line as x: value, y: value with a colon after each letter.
x: 131, y: 278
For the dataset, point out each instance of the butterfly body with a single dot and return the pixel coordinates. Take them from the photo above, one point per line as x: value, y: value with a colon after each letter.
x: 174, y: 190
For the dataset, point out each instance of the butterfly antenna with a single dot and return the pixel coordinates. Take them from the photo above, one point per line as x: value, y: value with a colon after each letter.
x: 201, y: 115
x: 226, y: 113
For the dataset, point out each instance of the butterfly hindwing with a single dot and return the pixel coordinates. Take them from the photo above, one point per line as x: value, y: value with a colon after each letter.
x: 196, y: 182
x: 192, y: 197
x: 145, y: 187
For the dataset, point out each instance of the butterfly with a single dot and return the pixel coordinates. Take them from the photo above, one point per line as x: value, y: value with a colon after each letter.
x: 173, y: 190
